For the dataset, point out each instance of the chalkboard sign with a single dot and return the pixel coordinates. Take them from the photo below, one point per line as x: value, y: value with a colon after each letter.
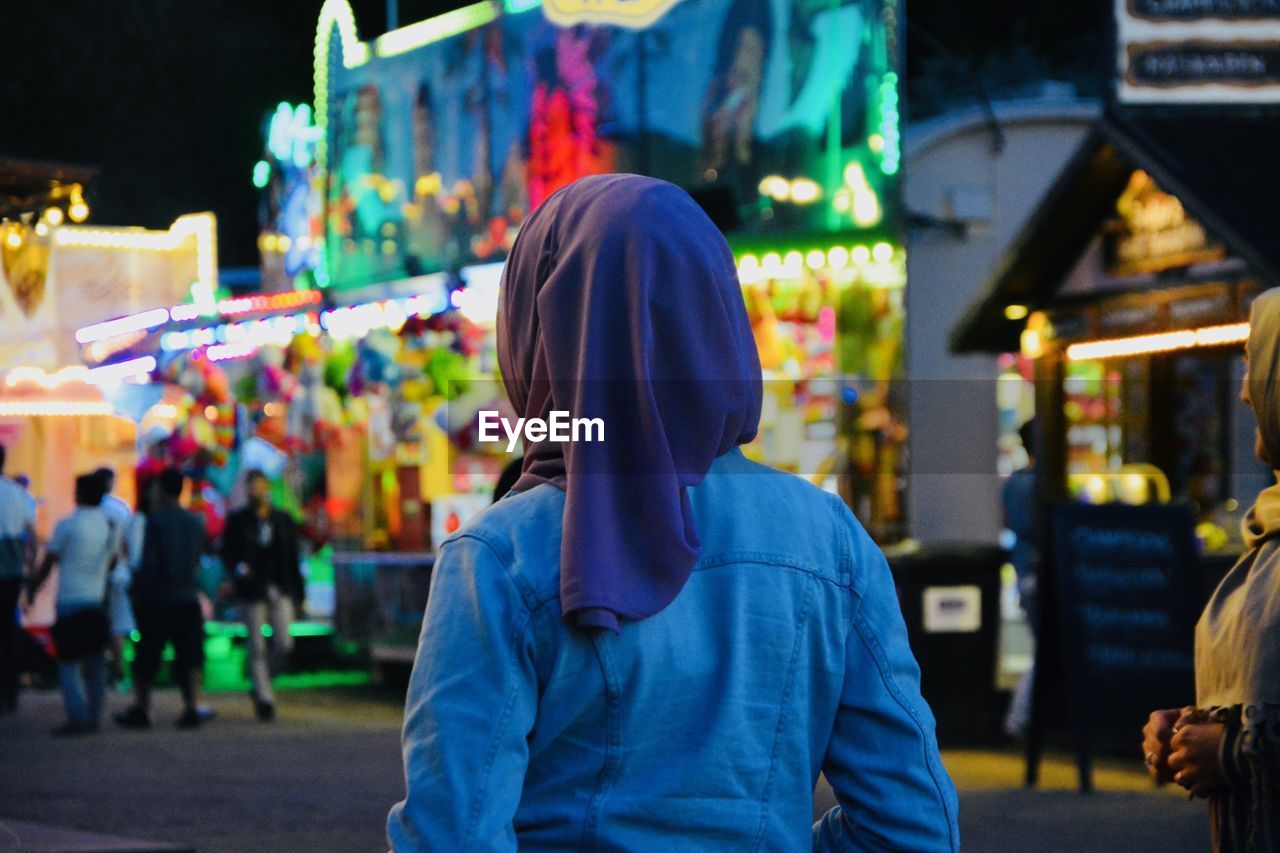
x: 1171, y: 64
x: 1199, y: 10
x: 1127, y: 589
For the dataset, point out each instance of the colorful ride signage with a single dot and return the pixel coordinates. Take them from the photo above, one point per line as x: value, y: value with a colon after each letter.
x: 440, y: 137
x: 623, y: 13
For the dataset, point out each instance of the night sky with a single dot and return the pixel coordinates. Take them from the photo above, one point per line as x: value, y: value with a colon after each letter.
x: 167, y: 97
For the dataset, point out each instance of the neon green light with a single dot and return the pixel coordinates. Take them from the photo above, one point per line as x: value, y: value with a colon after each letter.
x: 434, y: 29
x: 891, y: 152
x: 237, y: 629
x: 261, y: 173
x: 334, y: 13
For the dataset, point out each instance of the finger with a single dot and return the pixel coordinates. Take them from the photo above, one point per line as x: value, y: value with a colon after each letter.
x: 1178, y: 760
x: 1202, y: 789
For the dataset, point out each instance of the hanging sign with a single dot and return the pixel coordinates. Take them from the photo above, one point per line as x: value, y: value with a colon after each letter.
x: 1220, y: 52
x: 636, y: 14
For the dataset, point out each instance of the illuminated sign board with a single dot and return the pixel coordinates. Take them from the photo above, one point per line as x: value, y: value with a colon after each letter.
x: 623, y: 13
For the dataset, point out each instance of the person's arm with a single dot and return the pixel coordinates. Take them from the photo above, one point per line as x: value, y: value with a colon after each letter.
x: 45, y: 568
x: 30, y: 539
x: 882, y: 760
x: 40, y: 576
x: 136, y: 538
x: 30, y: 544
x: 1235, y: 748
x: 472, y: 702
x: 293, y: 559
x: 1250, y: 751
x: 234, y: 552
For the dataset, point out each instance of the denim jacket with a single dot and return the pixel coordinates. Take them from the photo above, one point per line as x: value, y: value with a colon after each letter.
x: 703, y: 727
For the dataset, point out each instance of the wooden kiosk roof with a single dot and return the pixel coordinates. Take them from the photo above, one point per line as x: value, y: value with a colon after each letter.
x: 1218, y: 166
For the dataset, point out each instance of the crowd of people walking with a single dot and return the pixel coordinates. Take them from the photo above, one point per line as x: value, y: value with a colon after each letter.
x: 122, y: 572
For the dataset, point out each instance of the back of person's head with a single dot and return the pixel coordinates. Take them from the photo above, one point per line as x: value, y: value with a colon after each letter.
x: 678, y: 387
x: 89, y: 491
x: 170, y: 483
x: 2, y: 452
x: 108, y: 478
x: 1028, y: 433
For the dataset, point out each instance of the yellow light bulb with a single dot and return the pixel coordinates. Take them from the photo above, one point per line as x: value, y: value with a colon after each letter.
x: 804, y: 191
x: 53, y: 216
x: 79, y: 211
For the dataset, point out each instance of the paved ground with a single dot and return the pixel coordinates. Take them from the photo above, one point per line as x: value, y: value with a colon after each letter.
x: 322, y: 777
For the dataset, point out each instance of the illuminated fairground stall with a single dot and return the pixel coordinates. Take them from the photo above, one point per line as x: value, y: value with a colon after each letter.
x: 395, y: 196
x: 68, y: 398
x: 1119, y: 317
x: 74, y: 393
x: 435, y: 141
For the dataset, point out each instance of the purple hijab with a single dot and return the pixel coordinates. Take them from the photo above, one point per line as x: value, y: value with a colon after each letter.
x: 621, y: 301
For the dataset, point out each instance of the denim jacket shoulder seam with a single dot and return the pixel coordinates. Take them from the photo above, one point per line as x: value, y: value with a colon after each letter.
x: 846, y: 557
x: 783, y: 702
x: 481, y: 795
x: 505, y: 557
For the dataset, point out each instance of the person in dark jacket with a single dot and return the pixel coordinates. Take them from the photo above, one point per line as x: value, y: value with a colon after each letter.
x: 261, y: 554
x: 166, y: 603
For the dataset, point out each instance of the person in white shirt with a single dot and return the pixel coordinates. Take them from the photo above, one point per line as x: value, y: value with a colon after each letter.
x: 85, y: 545
x: 119, y: 609
x: 17, y: 547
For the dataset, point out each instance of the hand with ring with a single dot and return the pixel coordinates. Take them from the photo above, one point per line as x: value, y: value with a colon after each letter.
x: 1156, y: 737
x: 1194, y: 756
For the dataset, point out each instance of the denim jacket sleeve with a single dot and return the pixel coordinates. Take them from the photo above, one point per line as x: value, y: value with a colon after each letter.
x: 472, y: 701
x: 882, y: 760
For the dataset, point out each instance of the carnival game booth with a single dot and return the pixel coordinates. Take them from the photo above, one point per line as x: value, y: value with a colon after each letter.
x: 60, y: 417
x: 353, y: 411
x: 434, y: 141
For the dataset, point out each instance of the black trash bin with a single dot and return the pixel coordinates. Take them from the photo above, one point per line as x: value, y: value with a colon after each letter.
x: 950, y: 597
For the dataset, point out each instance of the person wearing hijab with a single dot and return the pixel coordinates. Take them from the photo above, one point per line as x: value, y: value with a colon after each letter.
x: 1227, y: 747
x: 653, y: 643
